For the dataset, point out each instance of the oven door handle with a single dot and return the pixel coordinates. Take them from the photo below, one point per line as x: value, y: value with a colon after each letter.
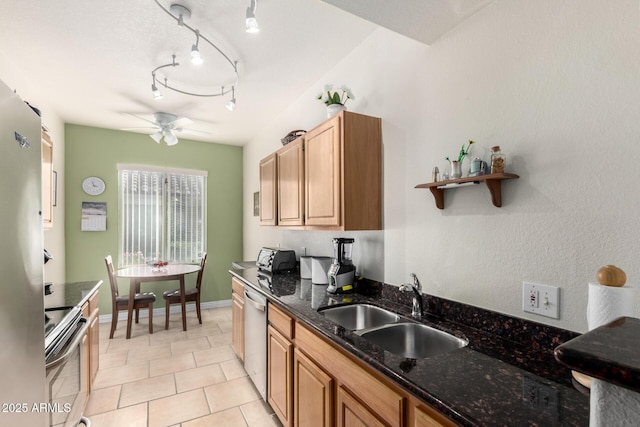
x: 70, y: 349
x: 253, y: 302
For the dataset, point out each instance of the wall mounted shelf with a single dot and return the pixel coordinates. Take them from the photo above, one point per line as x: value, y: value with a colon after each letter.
x: 493, y: 181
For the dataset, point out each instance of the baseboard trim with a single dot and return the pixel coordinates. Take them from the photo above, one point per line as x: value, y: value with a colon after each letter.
x: 106, y: 318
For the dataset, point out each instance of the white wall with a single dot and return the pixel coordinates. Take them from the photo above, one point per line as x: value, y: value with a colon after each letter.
x: 556, y: 85
x: 10, y: 74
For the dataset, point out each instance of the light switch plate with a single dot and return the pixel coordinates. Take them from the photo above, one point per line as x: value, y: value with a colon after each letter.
x: 543, y: 300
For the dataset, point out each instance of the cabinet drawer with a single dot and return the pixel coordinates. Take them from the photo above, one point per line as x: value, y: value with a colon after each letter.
x: 281, y: 321
x: 237, y: 287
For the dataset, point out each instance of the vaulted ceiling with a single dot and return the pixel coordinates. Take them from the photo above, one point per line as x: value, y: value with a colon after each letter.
x: 92, y: 60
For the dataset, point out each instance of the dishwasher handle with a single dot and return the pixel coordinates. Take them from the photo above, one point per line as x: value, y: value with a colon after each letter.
x: 257, y: 304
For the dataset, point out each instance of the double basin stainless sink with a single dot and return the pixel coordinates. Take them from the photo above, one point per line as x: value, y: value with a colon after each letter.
x: 392, y: 332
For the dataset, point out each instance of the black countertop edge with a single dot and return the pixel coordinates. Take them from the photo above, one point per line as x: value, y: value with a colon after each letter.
x: 483, y: 384
x: 75, y: 293
x: 609, y: 353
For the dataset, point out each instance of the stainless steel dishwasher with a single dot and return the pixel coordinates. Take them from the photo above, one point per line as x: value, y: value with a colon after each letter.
x: 255, y: 339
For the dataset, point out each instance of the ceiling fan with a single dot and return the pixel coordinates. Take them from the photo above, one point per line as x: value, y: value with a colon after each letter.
x: 166, y: 126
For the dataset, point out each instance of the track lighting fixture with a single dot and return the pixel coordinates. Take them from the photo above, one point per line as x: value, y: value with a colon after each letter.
x: 182, y: 14
x: 251, y: 22
x: 231, y: 105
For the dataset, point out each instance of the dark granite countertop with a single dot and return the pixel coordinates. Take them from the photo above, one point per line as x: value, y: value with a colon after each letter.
x: 73, y: 294
x: 506, y: 376
x: 609, y: 353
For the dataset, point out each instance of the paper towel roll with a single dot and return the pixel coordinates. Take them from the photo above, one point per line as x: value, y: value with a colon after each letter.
x: 607, y: 303
x: 611, y: 405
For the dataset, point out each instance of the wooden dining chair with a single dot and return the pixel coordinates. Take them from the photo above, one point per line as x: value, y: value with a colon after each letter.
x: 190, y: 295
x: 121, y: 302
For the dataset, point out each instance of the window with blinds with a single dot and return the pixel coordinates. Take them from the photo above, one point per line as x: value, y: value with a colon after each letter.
x: 162, y: 214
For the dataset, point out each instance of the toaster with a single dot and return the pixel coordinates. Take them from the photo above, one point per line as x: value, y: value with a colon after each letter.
x: 275, y: 260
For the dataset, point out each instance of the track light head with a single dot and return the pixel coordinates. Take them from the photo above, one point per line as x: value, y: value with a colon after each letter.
x: 195, y: 55
x: 231, y: 105
x: 251, y: 23
x: 156, y: 93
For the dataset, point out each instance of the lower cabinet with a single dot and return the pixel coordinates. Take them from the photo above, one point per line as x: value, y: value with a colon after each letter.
x: 312, y: 393
x: 352, y: 413
x: 279, y: 371
x: 420, y: 415
x: 237, y: 317
x: 90, y: 344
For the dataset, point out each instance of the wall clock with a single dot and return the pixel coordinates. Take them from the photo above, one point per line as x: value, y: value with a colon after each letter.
x: 93, y: 186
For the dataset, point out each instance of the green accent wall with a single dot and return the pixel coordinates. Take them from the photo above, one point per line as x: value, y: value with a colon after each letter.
x: 96, y: 152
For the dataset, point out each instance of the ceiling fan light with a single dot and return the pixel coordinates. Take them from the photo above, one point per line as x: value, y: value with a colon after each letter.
x: 156, y: 136
x: 170, y: 139
x: 195, y: 55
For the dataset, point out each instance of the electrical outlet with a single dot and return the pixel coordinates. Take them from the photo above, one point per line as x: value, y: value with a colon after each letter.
x: 541, y: 299
x: 541, y: 398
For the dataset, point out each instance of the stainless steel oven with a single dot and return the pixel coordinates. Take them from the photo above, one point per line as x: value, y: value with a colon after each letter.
x: 65, y: 329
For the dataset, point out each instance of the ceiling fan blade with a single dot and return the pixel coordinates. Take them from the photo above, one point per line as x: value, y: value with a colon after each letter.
x: 141, y: 128
x: 193, y: 131
x: 141, y: 118
x: 181, y: 122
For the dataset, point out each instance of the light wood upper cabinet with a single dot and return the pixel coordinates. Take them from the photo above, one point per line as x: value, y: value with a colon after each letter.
x: 339, y: 185
x: 268, y: 190
x: 290, y: 166
x: 322, y: 174
x: 47, y: 180
x: 343, y: 173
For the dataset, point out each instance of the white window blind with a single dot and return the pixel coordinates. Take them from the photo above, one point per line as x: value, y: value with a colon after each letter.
x: 162, y: 214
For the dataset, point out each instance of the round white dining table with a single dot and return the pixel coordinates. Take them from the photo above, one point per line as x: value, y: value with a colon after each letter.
x: 145, y: 273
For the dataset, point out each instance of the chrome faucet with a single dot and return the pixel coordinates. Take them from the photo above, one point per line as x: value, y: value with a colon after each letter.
x: 416, y: 287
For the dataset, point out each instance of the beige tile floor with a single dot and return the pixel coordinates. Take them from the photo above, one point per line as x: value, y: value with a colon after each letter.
x: 175, y: 378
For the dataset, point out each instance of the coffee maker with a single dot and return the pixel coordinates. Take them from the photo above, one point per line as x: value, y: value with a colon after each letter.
x: 342, y: 273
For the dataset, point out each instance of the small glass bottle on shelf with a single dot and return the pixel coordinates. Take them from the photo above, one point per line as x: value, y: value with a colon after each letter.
x: 498, y: 160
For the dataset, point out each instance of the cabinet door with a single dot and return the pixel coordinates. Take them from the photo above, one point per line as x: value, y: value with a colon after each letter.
x: 279, y: 381
x: 94, y: 351
x: 290, y: 165
x: 268, y: 190
x: 322, y: 174
x: 313, y: 393
x: 352, y: 413
x: 237, y: 325
x: 422, y: 418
